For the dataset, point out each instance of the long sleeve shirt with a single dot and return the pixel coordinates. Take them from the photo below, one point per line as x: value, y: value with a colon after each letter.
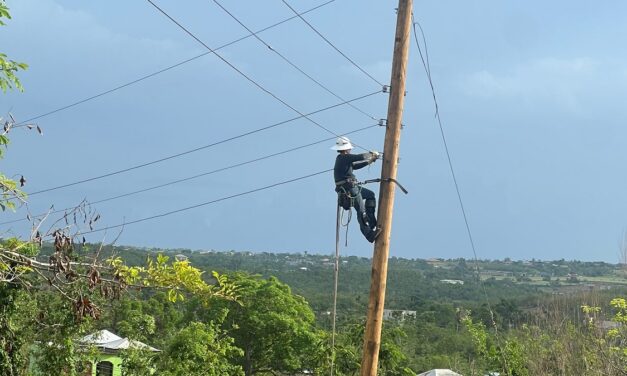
x: 346, y: 163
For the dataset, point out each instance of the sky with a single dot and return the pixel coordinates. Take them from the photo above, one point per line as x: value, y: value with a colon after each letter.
x: 531, y: 96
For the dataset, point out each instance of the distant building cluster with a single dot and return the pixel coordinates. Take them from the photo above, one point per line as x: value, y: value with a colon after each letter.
x: 398, y: 314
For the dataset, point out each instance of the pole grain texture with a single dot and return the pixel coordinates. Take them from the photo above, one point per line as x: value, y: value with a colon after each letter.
x: 374, y: 321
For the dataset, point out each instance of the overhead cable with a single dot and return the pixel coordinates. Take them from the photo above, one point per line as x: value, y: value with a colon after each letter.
x: 331, y: 44
x: 241, y: 73
x: 127, y: 169
x: 62, y: 108
x: 192, y: 177
x: 289, y: 61
x: 425, y: 63
x: 225, y: 198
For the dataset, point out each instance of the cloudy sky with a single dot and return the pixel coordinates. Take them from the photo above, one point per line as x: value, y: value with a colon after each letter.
x: 531, y: 94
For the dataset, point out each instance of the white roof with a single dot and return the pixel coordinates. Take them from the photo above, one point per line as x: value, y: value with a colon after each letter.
x: 104, y: 339
x: 101, y: 337
x: 439, y: 372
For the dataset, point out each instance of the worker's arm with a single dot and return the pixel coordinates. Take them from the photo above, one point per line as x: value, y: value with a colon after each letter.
x: 363, y: 160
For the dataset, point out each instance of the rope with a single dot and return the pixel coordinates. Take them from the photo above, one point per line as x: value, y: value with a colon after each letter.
x: 336, y: 277
x: 338, y: 224
x: 350, y: 215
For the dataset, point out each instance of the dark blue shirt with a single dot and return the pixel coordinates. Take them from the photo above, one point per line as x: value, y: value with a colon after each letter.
x: 346, y: 163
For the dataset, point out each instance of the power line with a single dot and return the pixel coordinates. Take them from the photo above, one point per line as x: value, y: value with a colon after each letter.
x: 331, y: 44
x: 198, y: 148
x: 195, y: 176
x: 209, y: 202
x: 425, y: 63
x: 289, y: 61
x: 241, y: 73
x: 95, y: 96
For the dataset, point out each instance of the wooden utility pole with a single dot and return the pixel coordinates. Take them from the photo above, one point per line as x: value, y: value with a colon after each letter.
x: 372, y: 336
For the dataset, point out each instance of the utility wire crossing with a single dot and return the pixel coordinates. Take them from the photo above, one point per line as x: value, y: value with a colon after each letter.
x: 200, y: 147
x: 140, y: 79
x: 244, y: 75
x: 299, y: 15
x: 193, y: 177
x: 209, y: 202
x: 288, y: 61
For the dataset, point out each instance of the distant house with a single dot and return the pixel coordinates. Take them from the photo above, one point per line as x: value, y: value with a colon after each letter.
x: 181, y: 257
x: 440, y: 372
x: 452, y: 281
x: 108, y: 362
x: 398, y: 314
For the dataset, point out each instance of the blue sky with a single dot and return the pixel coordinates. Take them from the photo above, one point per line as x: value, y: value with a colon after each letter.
x: 531, y: 96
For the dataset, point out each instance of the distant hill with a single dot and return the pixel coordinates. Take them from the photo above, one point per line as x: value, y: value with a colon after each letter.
x: 411, y: 282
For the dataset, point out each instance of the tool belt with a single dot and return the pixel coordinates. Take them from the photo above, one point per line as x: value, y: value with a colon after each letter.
x: 343, y: 188
x: 346, y: 184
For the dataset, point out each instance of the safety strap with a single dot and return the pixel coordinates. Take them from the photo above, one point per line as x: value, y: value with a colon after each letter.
x: 387, y: 180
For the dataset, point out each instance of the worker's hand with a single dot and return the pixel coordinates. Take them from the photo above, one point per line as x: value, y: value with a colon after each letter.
x: 375, y: 154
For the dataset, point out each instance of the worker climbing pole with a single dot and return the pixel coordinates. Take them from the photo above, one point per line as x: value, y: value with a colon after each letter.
x: 372, y: 335
x: 350, y: 192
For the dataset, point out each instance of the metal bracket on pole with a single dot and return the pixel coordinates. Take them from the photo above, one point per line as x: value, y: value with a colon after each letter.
x: 383, y: 122
x: 385, y: 89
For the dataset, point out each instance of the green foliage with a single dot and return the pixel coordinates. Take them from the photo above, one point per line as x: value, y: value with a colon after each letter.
x: 9, y: 190
x: 134, y: 322
x: 201, y: 350
x: 8, y: 187
x: 16, y: 307
x: 138, y: 362
x: 392, y: 359
x: 8, y: 67
x: 10, y: 250
x: 178, y: 277
x: 273, y: 327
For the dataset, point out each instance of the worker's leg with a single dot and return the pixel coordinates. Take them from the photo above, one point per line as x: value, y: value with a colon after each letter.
x: 370, y: 206
x: 358, y: 204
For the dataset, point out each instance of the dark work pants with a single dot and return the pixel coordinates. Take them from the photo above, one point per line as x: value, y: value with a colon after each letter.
x: 364, y: 203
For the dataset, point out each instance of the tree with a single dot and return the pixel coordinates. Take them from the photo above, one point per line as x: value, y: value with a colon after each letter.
x: 8, y: 187
x: 16, y: 307
x: 201, y: 350
x: 392, y: 360
x: 274, y: 328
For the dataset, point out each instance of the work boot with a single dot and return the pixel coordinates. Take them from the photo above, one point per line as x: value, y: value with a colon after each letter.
x: 373, y: 235
x: 366, y: 219
x: 372, y: 220
x: 370, y: 205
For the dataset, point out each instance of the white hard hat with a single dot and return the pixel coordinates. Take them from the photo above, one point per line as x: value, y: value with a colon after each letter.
x: 342, y: 143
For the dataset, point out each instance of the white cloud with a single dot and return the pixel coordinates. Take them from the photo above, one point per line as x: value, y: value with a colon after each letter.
x: 562, y: 82
x: 55, y: 23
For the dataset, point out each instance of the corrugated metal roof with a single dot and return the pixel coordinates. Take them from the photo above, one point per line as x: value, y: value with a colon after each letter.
x: 106, y: 340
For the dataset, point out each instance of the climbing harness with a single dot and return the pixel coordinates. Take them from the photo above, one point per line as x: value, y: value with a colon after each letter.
x: 344, y: 198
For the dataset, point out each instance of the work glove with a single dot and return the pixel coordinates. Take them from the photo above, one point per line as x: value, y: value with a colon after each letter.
x: 375, y: 155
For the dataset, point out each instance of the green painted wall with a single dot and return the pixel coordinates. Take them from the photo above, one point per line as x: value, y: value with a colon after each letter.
x: 115, y: 360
